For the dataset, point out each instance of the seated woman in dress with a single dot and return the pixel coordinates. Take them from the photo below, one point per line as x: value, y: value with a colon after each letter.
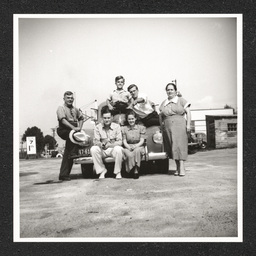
x: 133, y: 140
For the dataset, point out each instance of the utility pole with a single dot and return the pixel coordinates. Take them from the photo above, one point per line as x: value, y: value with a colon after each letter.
x: 75, y: 99
x: 175, y: 82
x: 53, y: 132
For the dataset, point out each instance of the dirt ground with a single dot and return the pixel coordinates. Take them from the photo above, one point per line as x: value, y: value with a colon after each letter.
x: 201, y: 204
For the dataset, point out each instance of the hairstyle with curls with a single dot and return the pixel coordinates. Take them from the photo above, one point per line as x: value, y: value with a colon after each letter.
x: 118, y: 78
x: 131, y: 86
x: 105, y: 110
x: 174, y: 86
x: 130, y: 112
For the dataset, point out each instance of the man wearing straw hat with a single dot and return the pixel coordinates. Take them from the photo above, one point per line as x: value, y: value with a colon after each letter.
x: 70, y: 125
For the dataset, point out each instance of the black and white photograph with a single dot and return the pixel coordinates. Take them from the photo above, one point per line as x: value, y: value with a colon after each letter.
x: 128, y: 128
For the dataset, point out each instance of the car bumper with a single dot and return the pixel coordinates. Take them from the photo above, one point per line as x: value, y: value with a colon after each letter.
x: 147, y: 157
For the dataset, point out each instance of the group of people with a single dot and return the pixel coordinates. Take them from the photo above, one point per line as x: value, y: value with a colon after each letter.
x: 119, y: 101
x: 127, y: 141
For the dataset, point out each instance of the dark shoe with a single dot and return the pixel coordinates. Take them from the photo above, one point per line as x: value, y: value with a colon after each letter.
x: 64, y: 178
x: 136, y: 173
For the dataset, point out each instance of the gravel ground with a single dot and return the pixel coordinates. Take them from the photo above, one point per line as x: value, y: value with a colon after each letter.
x: 201, y: 204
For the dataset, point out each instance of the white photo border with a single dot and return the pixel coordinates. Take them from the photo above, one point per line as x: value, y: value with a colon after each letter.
x: 16, y: 194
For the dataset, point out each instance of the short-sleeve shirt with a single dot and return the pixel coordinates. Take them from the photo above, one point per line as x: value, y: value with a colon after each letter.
x: 143, y: 109
x: 112, y: 135
x: 133, y: 134
x: 71, y: 114
x: 119, y: 95
x: 175, y: 106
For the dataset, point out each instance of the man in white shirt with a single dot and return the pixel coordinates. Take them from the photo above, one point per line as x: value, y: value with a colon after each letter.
x: 144, y: 109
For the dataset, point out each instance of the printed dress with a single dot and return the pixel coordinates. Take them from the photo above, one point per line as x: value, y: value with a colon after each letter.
x: 174, y: 127
x: 132, y: 136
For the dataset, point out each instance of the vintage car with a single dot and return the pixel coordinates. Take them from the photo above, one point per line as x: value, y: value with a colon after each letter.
x: 199, y: 138
x: 56, y: 153
x: 154, y: 160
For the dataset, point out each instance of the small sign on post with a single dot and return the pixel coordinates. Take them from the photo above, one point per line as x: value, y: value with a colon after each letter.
x: 31, y: 145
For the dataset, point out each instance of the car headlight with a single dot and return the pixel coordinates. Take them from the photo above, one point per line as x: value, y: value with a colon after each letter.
x: 158, y: 137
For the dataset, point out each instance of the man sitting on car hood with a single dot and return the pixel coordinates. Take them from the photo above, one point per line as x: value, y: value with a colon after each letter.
x: 107, y: 142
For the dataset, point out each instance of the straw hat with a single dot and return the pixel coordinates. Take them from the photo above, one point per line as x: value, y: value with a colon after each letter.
x: 80, y: 138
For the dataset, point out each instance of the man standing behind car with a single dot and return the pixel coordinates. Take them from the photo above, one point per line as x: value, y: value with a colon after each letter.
x: 70, y: 118
x: 107, y: 142
x: 143, y: 108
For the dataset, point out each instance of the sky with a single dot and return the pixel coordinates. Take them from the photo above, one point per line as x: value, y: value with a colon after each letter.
x: 85, y: 55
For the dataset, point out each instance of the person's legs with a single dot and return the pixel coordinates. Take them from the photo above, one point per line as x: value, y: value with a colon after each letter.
x: 180, y: 142
x: 151, y: 120
x: 167, y: 138
x: 115, y: 112
x: 182, y: 168
x: 177, y: 172
x: 97, y: 156
x: 70, y: 149
x: 129, y: 160
x: 119, y: 108
x: 67, y: 163
x: 137, y: 155
x: 117, y: 153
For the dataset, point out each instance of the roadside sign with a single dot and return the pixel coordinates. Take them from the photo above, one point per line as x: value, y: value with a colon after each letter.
x: 31, y: 145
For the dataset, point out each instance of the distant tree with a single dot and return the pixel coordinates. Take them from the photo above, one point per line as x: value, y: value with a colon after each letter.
x: 48, y: 139
x: 36, y: 132
x: 228, y: 106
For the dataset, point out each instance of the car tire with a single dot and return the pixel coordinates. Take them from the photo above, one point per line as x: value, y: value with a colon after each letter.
x: 192, y: 150
x: 163, y: 165
x: 87, y: 171
x: 203, y: 145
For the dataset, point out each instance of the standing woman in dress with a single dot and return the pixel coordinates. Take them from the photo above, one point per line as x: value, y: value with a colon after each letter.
x: 175, y: 127
x: 133, y: 140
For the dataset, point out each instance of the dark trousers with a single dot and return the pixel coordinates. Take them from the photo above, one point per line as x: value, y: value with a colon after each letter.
x: 70, y: 149
x: 151, y: 119
x: 119, y: 108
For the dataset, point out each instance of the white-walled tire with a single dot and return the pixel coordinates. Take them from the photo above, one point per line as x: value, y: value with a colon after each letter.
x: 203, y: 145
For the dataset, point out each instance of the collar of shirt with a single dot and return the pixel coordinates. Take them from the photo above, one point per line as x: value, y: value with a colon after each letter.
x: 65, y: 105
x: 133, y: 128
x: 173, y: 100
x: 110, y: 127
x: 119, y: 91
